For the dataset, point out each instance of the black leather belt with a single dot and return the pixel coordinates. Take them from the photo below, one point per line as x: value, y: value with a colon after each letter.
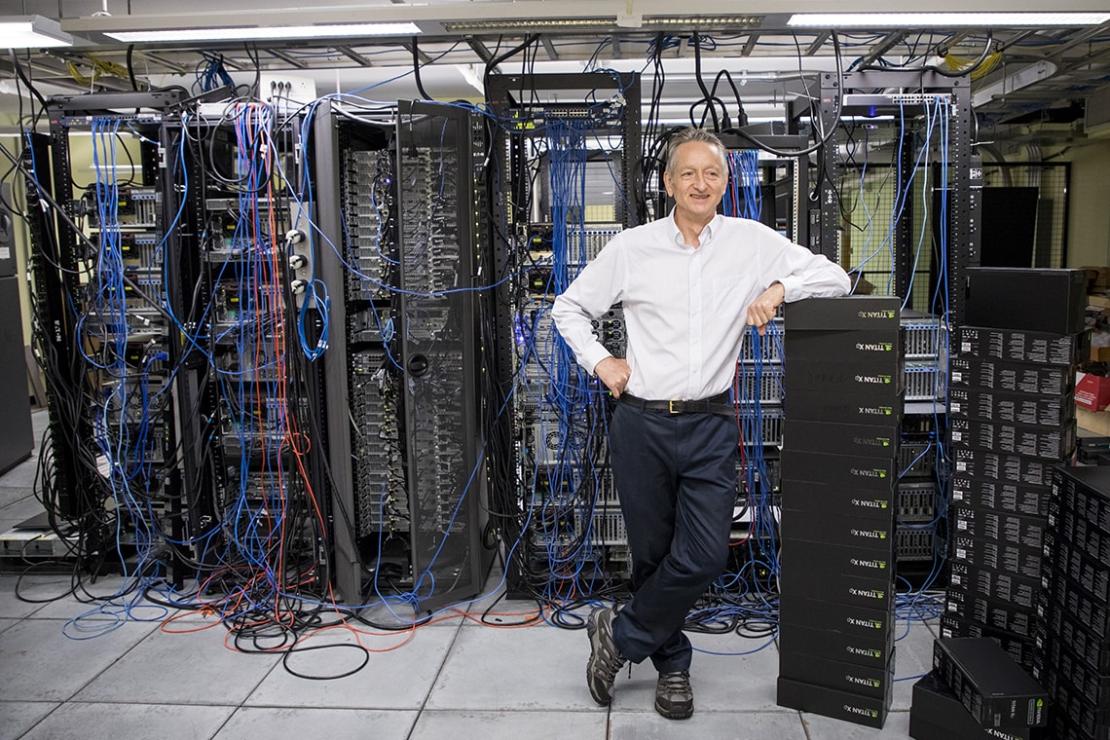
x: 719, y: 404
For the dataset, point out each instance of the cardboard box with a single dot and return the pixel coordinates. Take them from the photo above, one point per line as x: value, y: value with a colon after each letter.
x: 1098, y: 276
x: 1092, y: 392
x: 1096, y: 422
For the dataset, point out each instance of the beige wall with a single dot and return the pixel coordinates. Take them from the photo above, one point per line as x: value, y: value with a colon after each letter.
x: 1089, y: 206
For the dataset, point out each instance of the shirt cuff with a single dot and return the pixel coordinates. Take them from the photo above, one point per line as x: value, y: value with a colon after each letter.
x: 791, y: 288
x: 592, y: 355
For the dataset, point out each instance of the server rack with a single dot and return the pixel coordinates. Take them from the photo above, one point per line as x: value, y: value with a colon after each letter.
x: 566, y: 512
x: 98, y: 412
x: 406, y: 455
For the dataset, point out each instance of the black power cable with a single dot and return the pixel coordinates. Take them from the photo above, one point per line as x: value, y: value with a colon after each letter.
x: 415, y: 46
x: 818, y: 122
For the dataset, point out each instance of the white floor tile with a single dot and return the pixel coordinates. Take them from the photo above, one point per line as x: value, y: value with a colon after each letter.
x: 913, y: 656
x: 9, y: 496
x: 391, y: 679
x: 525, y: 668
x: 436, y: 725
x: 22, y: 508
x: 41, y: 589
x: 78, y: 721
x: 22, y: 475
x: 721, y: 682
x: 39, y: 663
x: 705, y: 725
x: 203, y: 670
x: 250, y: 723
x: 16, y: 717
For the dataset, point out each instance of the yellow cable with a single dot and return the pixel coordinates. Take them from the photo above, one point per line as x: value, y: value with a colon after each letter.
x: 957, y: 63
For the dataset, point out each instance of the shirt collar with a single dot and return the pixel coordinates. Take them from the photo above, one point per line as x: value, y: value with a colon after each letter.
x: 704, y: 237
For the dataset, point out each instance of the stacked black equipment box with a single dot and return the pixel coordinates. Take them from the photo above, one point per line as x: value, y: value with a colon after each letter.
x: 976, y: 691
x: 1012, y: 412
x: 993, y: 689
x: 1072, y: 656
x: 938, y: 714
x: 843, y: 399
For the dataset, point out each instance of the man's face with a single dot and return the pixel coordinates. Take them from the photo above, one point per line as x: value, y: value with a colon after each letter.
x: 696, y: 182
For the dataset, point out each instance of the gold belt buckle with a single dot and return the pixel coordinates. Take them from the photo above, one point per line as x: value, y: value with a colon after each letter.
x: 670, y: 407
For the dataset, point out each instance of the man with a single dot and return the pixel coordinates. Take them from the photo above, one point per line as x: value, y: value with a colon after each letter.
x: 684, y: 281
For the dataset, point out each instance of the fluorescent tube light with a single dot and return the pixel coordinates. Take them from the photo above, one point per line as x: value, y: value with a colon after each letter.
x: 31, y: 32
x: 947, y: 20
x: 262, y: 33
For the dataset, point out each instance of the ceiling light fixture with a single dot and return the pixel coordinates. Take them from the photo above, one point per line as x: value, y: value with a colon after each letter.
x: 702, y: 21
x: 947, y: 20
x: 529, y: 24
x: 262, y: 33
x: 31, y: 32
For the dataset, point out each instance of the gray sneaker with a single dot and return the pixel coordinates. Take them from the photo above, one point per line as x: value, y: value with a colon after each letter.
x: 674, y: 697
x: 605, y: 658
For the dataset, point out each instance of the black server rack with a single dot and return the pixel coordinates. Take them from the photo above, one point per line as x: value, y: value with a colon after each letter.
x: 101, y: 328
x: 16, y: 438
x: 572, y: 540
x: 401, y: 200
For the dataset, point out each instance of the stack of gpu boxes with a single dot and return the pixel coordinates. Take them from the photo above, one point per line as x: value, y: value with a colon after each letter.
x: 1073, y: 640
x: 843, y: 400
x: 1012, y: 413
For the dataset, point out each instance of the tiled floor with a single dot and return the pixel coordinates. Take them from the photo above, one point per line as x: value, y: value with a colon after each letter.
x: 453, y: 680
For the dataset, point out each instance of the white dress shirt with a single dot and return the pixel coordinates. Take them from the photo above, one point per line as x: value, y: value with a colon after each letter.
x: 684, y: 306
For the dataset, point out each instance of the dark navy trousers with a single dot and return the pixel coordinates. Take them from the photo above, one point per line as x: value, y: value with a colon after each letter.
x: 676, y: 478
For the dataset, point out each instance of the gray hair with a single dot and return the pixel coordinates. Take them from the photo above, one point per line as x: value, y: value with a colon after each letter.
x: 687, y: 135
